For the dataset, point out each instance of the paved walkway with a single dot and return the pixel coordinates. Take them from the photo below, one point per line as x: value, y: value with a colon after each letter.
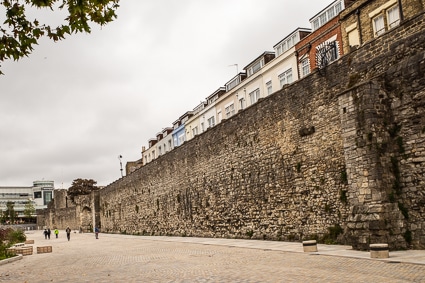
x: 124, y: 258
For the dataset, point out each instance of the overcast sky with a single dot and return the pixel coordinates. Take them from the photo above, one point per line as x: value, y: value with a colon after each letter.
x: 71, y: 108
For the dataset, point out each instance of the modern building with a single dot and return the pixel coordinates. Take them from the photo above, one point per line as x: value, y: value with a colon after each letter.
x: 40, y: 194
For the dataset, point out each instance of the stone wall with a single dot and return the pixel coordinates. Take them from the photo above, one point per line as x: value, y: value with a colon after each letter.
x: 80, y: 213
x: 340, y: 152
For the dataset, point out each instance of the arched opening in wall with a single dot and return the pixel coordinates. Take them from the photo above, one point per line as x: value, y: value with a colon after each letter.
x: 86, y: 219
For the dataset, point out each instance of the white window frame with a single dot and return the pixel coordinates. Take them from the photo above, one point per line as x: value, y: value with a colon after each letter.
x: 195, y: 131
x: 230, y: 110
x: 254, y: 96
x: 285, y: 77
x: 279, y: 50
x: 232, y: 84
x: 396, y: 21
x: 305, y: 67
x: 269, y: 87
x: 211, y: 122
x: 181, y: 138
x: 378, y: 23
x: 241, y: 103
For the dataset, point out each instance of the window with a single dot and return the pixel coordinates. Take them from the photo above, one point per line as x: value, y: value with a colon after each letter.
x: 169, y: 144
x: 269, y: 87
x: 327, y: 52
x: 211, y: 122
x: 47, y: 197
x: 202, y: 127
x: 316, y: 24
x: 378, y: 25
x: 393, y: 15
x: 159, y: 150
x: 241, y: 104
x: 326, y: 15
x: 195, y: 131
x: 232, y: 84
x: 287, y: 44
x: 305, y: 67
x: 290, y: 43
x: 254, y: 96
x: 153, y: 154
x: 256, y: 67
x: 338, y: 8
x: 181, y: 138
x: 353, y: 37
x: 285, y: 78
x: 279, y: 50
x: 331, y: 13
x: 37, y: 194
x: 385, y: 21
x: 323, y: 18
x: 230, y: 110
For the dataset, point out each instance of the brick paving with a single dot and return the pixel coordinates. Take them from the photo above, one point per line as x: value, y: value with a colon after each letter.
x: 124, y: 258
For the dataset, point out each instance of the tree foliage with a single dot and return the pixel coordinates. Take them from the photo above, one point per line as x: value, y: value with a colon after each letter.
x: 29, y: 209
x: 82, y: 187
x: 9, y: 213
x: 19, y: 34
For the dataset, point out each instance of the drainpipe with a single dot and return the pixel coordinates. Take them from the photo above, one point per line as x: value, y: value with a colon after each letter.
x: 400, y: 9
x: 360, y: 26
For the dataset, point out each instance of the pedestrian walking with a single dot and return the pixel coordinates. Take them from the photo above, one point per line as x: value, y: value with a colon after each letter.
x: 96, y: 232
x: 45, y: 234
x: 56, y: 233
x: 48, y: 233
x: 68, y: 233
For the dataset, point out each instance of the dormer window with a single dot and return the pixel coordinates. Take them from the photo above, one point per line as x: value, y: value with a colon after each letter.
x: 232, y: 84
x: 287, y: 44
x: 255, y: 68
x: 326, y: 15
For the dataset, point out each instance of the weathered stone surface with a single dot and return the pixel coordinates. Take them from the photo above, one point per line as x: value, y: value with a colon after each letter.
x: 261, y: 174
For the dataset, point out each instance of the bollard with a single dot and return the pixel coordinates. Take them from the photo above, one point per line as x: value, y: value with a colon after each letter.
x: 310, y: 246
x: 379, y: 251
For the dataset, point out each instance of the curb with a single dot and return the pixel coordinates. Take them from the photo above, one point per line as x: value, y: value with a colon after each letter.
x: 11, y: 259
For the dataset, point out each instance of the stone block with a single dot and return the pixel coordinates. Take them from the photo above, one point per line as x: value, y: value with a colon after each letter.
x: 310, y: 246
x: 22, y: 250
x: 45, y: 249
x: 29, y: 242
x: 379, y: 251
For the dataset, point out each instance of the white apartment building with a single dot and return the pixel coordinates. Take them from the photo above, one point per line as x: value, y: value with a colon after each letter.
x: 40, y: 195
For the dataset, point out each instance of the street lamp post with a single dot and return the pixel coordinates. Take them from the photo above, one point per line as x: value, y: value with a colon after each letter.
x: 119, y: 158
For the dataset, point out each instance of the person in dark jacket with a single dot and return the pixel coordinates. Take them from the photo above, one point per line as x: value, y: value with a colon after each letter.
x: 68, y: 233
x: 49, y: 233
x: 45, y: 233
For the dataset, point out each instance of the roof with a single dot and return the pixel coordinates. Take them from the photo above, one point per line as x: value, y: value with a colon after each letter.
x: 265, y: 53
x: 292, y: 33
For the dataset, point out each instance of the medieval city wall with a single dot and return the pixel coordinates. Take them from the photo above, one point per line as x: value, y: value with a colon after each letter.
x: 338, y: 155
